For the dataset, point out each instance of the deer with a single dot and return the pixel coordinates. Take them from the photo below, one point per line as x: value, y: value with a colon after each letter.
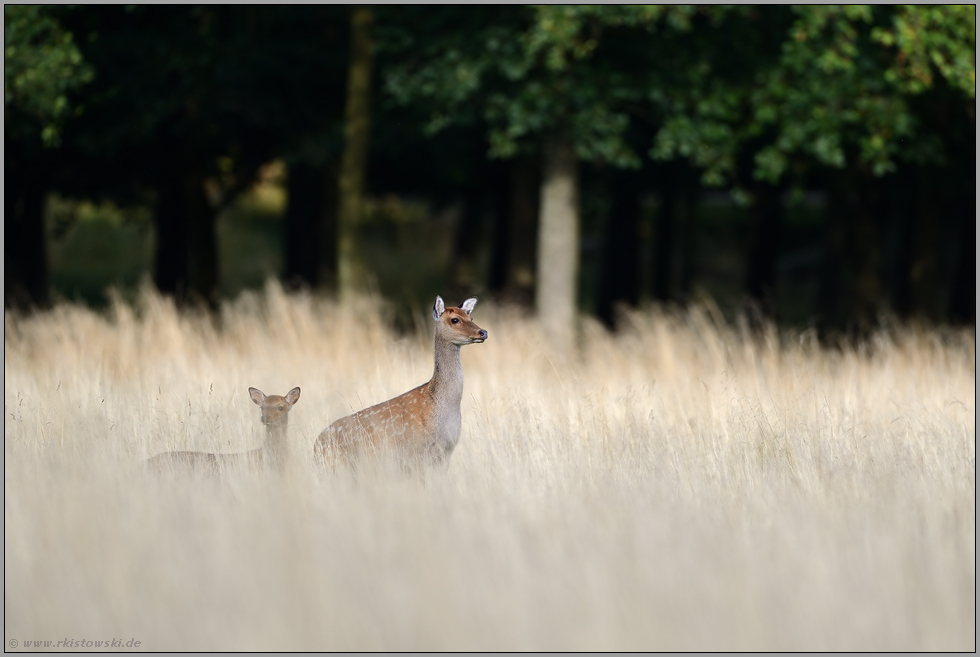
x: 420, y: 427
x: 272, y: 455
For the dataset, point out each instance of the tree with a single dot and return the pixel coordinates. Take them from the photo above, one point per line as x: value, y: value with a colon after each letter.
x: 187, y: 103
x: 42, y: 65
x: 522, y: 213
x: 619, y: 278
x: 558, y: 241
x: 872, y: 104
x: 837, y: 101
x: 354, y: 164
x: 168, y: 116
x: 554, y: 79
x: 305, y: 213
x: 310, y: 137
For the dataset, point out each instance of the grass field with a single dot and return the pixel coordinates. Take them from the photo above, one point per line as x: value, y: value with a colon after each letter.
x: 678, y: 486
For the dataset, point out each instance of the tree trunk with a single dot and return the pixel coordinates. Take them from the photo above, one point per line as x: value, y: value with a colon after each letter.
x: 24, y: 248
x: 524, y: 204
x: 353, y: 167
x: 663, y: 239
x: 304, y: 218
x: 923, y: 273
x: 686, y: 222
x: 619, y: 280
x: 186, y: 259
x: 327, y: 263
x: 171, y: 261
x: 901, y: 199
x: 831, y: 285
x: 766, y: 219
x: 502, y: 225
x: 851, y: 288
x: 558, y: 244
x: 963, y: 295
x: 865, y: 257
x: 204, y: 243
x: 673, y: 248
x: 963, y: 286
x: 463, y: 274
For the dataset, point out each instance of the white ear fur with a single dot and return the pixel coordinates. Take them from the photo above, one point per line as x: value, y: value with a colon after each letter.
x: 438, y: 308
x: 468, y: 305
x: 257, y: 395
x: 293, y: 396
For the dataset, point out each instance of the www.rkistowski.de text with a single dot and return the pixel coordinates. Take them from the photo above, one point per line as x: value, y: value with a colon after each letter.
x: 76, y: 643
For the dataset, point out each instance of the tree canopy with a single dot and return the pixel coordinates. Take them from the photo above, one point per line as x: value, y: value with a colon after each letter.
x: 42, y: 64
x: 176, y: 108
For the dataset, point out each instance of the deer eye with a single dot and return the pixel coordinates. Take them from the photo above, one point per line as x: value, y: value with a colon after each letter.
x: 280, y: 408
x: 455, y: 320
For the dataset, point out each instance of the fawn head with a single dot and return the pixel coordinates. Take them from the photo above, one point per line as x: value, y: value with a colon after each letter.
x: 275, y: 409
x: 455, y: 325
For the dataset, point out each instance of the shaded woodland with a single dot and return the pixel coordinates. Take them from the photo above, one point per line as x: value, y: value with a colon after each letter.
x: 808, y: 165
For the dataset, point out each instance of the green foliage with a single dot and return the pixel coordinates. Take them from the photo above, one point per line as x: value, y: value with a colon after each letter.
x: 526, y: 72
x: 942, y: 36
x: 837, y: 93
x: 826, y: 93
x: 744, y: 93
x: 818, y: 85
x: 94, y: 247
x: 42, y: 65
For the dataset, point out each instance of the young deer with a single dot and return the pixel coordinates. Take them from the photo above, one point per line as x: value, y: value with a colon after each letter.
x: 275, y: 417
x: 420, y: 427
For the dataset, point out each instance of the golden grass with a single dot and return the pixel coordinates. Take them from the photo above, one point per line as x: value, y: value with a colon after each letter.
x: 677, y: 487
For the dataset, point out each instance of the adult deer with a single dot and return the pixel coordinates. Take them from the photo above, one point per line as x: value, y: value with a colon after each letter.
x: 420, y: 427
x: 272, y: 455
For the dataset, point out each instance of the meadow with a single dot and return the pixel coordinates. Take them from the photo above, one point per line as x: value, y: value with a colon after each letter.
x: 683, y: 484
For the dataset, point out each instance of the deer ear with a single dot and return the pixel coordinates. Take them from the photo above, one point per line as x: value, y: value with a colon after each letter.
x: 468, y: 305
x: 257, y: 395
x: 293, y: 396
x: 438, y: 308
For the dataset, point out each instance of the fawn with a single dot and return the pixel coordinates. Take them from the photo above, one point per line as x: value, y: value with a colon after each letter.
x: 275, y: 417
x: 421, y: 426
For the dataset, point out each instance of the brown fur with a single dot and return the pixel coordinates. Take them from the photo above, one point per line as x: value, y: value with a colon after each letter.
x: 421, y: 426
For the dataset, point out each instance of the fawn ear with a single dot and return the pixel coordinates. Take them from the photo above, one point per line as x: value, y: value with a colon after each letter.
x: 257, y: 395
x: 438, y: 308
x: 293, y: 396
x: 468, y: 305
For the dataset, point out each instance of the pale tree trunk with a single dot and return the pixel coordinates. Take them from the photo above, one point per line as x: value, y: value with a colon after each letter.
x: 558, y: 244
x: 357, y: 123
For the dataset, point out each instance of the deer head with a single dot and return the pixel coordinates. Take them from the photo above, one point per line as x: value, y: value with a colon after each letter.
x: 275, y: 409
x: 454, y: 325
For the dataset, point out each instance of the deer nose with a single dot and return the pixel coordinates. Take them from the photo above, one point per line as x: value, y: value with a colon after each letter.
x: 483, y: 334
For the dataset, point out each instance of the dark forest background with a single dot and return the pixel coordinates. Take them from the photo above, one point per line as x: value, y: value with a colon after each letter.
x: 814, y: 165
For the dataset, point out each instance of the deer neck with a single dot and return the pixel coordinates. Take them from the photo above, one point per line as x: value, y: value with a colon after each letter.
x: 275, y: 441
x: 447, y: 378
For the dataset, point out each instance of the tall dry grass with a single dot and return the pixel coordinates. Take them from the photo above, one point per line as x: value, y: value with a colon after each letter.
x: 677, y: 487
